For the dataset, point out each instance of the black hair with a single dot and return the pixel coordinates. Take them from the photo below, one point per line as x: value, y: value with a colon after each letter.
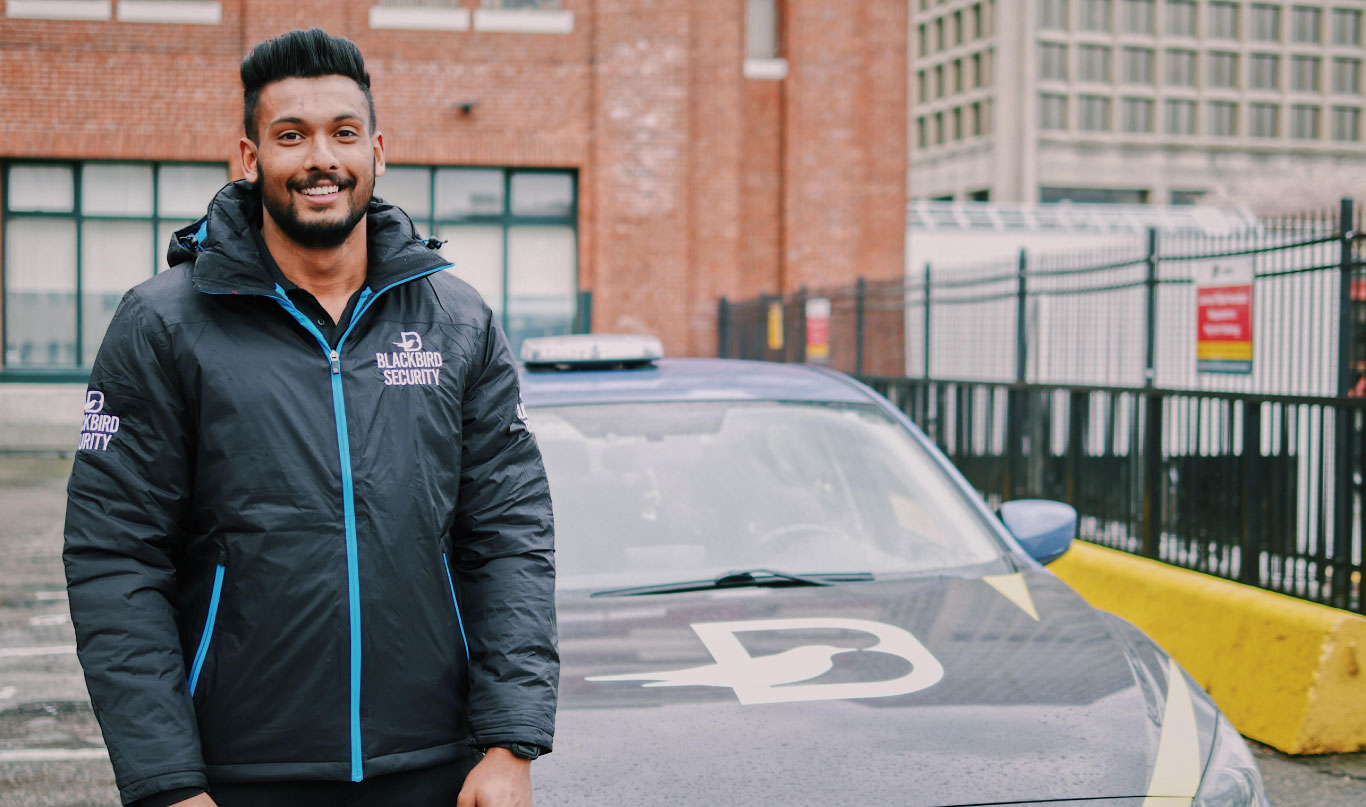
x: 300, y: 54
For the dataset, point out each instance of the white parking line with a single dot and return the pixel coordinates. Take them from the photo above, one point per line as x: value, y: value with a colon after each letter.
x: 7, y: 692
x: 52, y: 754
x: 44, y: 620
x: 49, y: 595
x: 54, y: 650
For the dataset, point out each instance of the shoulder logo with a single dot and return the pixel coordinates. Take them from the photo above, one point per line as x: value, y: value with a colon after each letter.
x: 97, y: 428
x: 410, y: 365
x: 409, y: 341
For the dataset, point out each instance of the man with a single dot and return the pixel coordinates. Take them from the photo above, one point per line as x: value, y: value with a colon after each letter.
x: 308, y: 540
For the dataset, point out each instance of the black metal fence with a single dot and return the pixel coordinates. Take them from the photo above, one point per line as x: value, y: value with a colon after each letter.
x: 1078, y: 377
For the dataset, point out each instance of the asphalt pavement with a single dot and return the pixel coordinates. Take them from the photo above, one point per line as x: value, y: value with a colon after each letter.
x: 51, y: 754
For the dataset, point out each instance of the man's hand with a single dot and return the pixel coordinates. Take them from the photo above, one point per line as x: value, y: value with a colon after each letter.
x: 501, y: 779
x: 202, y: 800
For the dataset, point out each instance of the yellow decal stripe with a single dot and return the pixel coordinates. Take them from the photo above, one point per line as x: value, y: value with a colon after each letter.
x: 1014, y: 588
x: 1176, y: 772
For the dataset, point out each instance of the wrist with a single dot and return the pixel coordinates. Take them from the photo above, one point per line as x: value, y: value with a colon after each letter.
x: 522, y: 751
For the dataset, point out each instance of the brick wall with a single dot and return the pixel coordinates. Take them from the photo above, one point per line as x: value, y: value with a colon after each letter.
x: 694, y: 181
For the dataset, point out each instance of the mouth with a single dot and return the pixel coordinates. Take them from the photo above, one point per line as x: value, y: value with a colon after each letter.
x: 321, y: 194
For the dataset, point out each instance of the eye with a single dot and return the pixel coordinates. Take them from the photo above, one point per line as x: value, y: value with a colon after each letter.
x: 290, y: 136
x: 347, y: 133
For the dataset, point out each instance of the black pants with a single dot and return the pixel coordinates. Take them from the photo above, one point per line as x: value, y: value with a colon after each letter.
x: 437, y: 786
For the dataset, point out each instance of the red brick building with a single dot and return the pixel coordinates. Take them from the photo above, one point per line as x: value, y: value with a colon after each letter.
x: 656, y: 153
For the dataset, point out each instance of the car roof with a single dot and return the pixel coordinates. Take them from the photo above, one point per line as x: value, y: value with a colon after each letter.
x: 691, y: 380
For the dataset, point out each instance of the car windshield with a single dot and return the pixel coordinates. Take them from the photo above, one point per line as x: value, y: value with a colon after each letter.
x: 657, y: 492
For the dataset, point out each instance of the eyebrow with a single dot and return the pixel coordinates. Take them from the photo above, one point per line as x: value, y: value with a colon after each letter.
x: 301, y: 122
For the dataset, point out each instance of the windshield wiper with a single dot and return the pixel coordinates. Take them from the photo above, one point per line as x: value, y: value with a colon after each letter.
x: 744, y: 578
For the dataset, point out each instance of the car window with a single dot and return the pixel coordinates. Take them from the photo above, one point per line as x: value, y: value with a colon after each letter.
x: 655, y: 492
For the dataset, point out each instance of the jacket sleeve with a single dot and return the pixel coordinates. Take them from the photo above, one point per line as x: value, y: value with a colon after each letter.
x: 125, y: 504
x: 504, y: 559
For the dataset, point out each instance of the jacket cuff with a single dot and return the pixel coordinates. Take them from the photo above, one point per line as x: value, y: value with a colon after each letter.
x: 531, y: 735
x: 130, y: 794
x: 168, y: 797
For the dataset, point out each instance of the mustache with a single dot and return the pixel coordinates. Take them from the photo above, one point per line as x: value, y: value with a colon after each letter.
x: 314, y: 180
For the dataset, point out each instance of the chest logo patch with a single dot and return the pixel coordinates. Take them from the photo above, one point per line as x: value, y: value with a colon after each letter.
x: 779, y: 678
x: 410, y: 365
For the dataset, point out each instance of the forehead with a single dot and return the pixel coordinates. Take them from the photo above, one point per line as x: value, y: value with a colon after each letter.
x: 323, y: 98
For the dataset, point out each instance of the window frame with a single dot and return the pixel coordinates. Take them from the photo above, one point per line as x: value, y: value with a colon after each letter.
x: 80, y: 371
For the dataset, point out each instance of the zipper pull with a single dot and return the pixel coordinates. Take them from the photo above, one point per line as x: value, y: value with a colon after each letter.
x: 336, y: 362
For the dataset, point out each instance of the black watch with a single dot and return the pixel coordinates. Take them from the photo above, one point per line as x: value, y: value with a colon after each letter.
x: 520, y: 750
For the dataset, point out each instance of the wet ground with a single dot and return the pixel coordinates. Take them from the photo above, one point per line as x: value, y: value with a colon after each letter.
x: 51, y: 754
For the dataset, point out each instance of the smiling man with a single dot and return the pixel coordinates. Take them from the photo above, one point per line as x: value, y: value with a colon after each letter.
x: 309, y: 545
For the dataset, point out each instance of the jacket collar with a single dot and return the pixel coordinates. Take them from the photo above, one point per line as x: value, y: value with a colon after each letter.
x: 226, y: 260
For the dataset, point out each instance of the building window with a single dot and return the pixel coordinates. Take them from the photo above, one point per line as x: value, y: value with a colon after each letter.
x: 940, y: 41
x: 1138, y: 65
x: 1138, y: 16
x: 1094, y: 196
x: 977, y: 119
x: 957, y: 27
x: 1266, y: 22
x: 977, y: 30
x: 1346, y: 26
x: 922, y: 133
x: 1181, y: 17
x: 1095, y: 15
x: 1223, y: 69
x: 512, y: 234
x: 77, y: 236
x: 1053, y: 15
x: 1223, y: 20
x: 957, y: 123
x: 1181, y: 68
x: 1304, y: 73
x: 1264, y: 71
x: 761, y: 29
x: 1186, y: 197
x: 1346, y: 124
x: 922, y: 86
x: 1304, y: 25
x: 1179, y: 116
x: 1093, y: 113
x: 924, y: 41
x: 939, y: 128
x: 958, y: 75
x: 1136, y: 115
x: 978, y: 77
x: 1093, y: 63
x: 1304, y: 122
x: 1052, y: 112
x: 1223, y: 118
x: 1346, y: 75
x: 939, y: 81
x: 1263, y: 120
x: 1052, y: 62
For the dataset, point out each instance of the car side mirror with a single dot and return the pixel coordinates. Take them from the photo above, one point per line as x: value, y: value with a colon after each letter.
x: 1044, y: 529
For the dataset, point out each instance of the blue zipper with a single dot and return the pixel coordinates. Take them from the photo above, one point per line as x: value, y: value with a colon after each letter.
x: 209, y: 621
x: 446, y: 565
x: 333, y: 356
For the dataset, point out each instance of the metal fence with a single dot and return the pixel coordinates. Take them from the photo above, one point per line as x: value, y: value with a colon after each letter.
x: 1078, y: 377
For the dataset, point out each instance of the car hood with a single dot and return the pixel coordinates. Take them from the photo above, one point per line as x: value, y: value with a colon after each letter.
x: 928, y: 691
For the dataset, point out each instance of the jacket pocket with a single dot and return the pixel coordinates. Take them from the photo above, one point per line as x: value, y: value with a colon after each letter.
x: 455, y: 602
x: 207, y: 636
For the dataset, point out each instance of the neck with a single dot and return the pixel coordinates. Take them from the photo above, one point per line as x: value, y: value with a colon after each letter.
x: 331, y: 275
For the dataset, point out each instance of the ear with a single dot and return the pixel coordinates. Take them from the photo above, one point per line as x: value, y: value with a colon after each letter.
x: 377, y: 143
x: 250, y: 159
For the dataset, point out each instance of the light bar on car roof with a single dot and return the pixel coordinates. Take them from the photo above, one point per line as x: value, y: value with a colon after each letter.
x: 596, y: 351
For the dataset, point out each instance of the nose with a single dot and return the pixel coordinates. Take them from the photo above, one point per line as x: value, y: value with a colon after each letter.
x: 322, y: 155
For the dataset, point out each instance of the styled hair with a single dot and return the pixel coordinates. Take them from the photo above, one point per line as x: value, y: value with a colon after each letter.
x: 299, y: 54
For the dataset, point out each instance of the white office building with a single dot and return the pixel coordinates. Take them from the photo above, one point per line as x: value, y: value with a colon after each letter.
x: 1130, y: 101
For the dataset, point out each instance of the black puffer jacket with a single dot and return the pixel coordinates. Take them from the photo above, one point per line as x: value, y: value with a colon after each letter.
x: 288, y: 561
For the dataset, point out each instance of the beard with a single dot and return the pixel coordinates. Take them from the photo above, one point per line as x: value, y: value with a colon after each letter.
x: 316, y: 234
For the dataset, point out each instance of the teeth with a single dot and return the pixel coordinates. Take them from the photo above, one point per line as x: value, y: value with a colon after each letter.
x: 322, y: 190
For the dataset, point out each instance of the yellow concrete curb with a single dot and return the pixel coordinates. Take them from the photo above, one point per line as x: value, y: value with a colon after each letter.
x: 1288, y: 673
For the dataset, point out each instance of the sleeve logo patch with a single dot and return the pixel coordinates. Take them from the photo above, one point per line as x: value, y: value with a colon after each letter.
x: 97, y: 428
x: 410, y: 365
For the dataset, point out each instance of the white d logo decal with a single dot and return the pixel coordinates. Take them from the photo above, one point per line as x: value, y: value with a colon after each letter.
x: 769, y: 679
x: 94, y: 401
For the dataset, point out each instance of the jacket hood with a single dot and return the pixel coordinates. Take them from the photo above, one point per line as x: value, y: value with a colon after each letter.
x: 226, y: 260
x: 984, y: 705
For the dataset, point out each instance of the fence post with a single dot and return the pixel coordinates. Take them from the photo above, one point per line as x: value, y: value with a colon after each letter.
x: 723, y: 328
x: 1021, y: 302
x: 927, y: 321
x: 800, y: 305
x: 1343, y: 416
x: 1249, y: 516
x: 860, y: 293
x: 1150, y: 523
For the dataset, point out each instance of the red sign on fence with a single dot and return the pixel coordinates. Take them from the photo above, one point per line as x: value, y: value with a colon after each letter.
x: 818, y: 330
x: 1223, y: 300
